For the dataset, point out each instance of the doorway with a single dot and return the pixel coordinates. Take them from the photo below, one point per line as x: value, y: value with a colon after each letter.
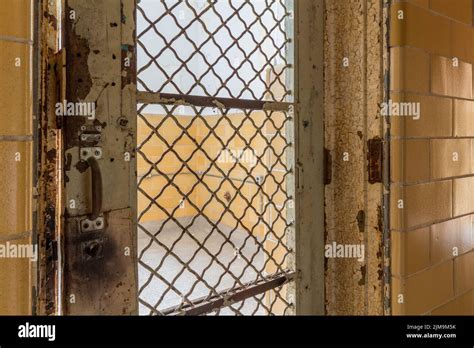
x: 216, y: 157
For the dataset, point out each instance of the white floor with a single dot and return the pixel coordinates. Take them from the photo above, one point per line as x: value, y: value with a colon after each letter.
x: 187, y: 283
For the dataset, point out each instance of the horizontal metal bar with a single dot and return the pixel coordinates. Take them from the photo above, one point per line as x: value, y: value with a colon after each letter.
x: 154, y: 175
x: 212, y: 102
x: 231, y: 296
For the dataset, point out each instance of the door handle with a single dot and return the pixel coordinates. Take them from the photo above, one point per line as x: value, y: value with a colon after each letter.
x: 96, y: 187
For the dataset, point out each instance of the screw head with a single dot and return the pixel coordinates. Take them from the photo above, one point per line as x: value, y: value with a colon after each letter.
x: 123, y: 122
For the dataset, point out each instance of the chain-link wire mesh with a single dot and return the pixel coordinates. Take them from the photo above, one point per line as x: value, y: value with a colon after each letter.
x: 215, y: 157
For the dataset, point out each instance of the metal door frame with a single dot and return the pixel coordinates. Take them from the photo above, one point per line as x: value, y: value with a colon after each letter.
x: 308, y: 285
x: 309, y: 228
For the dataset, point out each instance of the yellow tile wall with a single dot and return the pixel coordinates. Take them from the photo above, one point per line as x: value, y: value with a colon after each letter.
x: 242, y: 194
x: 16, y: 153
x: 431, y: 43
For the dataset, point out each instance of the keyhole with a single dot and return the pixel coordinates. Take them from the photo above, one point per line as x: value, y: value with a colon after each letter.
x: 93, y: 249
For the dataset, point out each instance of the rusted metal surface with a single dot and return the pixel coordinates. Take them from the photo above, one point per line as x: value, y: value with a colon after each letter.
x: 355, y: 53
x: 100, y: 274
x: 226, y: 103
x: 231, y: 296
x: 376, y: 26
x: 97, y: 273
x: 48, y: 146
x: 384, y: 209
x: 375, y: 160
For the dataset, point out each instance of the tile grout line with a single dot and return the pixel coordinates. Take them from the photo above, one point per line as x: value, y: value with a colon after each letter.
x: 7, y: 138
x: 16, y: 40
x: 16, y: 236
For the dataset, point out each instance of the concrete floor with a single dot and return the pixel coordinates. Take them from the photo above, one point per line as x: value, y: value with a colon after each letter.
x: 184, y: 250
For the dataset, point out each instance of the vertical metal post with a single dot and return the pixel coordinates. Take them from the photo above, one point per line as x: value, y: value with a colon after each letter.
x: 48, y: 154
x: 309, y: 84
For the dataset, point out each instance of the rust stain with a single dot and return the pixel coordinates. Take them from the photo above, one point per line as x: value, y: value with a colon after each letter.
x: 353, y: 29
x: 52, y: 20
x: 361, y: 221
x: 45, y: 299
x: 375, y: 160
x: 77, y: 64
x: 95, y: 270
x: 380, y: 219
x: 363, y: 271
x: 79, y: 78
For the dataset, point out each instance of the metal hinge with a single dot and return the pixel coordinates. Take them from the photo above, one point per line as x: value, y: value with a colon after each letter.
x: 375, y: 160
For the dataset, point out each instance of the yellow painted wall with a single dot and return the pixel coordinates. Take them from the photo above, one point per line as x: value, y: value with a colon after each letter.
x: 431, y: 160
x: 15, y: 152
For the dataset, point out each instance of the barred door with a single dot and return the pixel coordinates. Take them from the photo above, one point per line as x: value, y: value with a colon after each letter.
x: 215, y: 157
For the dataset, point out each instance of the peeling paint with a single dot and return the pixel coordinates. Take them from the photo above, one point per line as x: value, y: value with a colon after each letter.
x: 363, y: 271
x: 48, y: 162
x: 95, y: 73
x: 355, y: 30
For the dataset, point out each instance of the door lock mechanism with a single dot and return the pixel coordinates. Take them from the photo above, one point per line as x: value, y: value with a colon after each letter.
x: 87, y: 225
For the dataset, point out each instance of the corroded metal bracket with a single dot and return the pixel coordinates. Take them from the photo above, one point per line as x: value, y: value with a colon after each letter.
x: 375, y: 160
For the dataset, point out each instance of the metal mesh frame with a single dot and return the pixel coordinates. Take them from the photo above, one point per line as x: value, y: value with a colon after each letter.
x: 253, y: 288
